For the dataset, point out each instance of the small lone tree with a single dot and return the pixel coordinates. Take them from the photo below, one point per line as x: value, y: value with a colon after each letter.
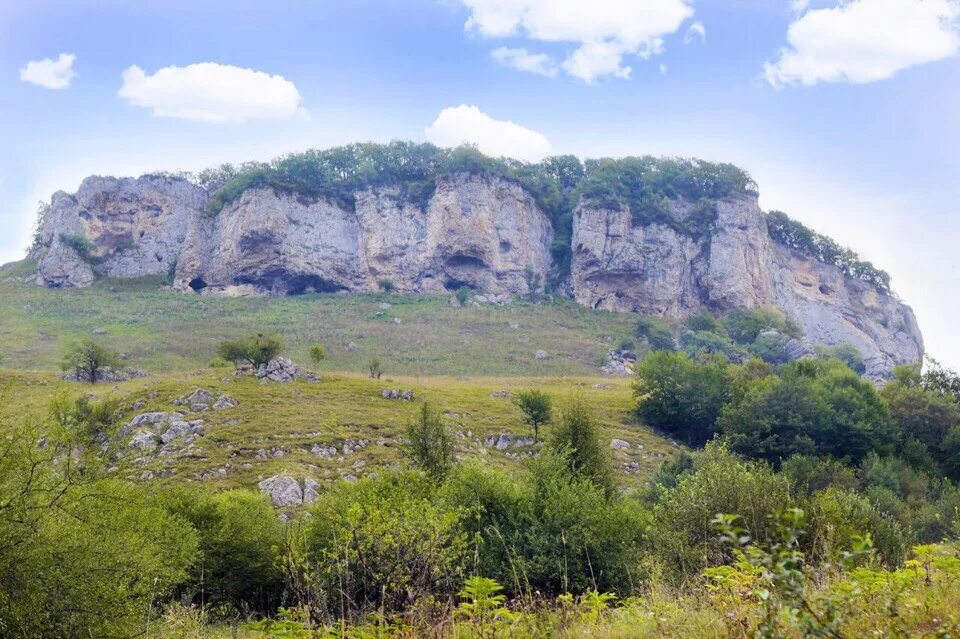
x: 375, y: 368
x: 318, y: 353
x: 431, y: 444
x: 537, y: 408
x: 258, y: 349
x: 577, y: 435
x: 88, y: 359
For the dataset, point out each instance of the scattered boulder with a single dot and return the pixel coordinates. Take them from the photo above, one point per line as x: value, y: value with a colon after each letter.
x: 224, y: 402
x: 198, y: 400
x: 188, y: 430
x: 396, y: 393
x: 351, y: 445
x: 282, y: 370
x: 541, y: 355
x: 619, y: 444
x: 493, y: 299
x: 324, y: 452
x: 503, y: 441
x: 500, y: 394
x: 144, y: 441
x: 99, y: 331
x: 283, y: 491
x: 310, y: 490
x: 619, y: 363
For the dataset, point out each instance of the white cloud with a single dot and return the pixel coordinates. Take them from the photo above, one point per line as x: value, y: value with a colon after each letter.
x: 211, y: 92
x: 50, y: 74
x: 696, y: 32
x: 468, y: 124
x: 523, y: 60
x: 604, y: 30
x: 799, y: 5
x: 862, y: 41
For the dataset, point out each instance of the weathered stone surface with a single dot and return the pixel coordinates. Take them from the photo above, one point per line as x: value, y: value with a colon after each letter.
x: 396, y: 393
x: 200, y: 396
x: 619, y: 444
x: 283, y: 491
x: 281, y: 370
x: 103, y: 375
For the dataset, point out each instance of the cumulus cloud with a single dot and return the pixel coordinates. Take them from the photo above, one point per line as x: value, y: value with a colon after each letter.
x: 604, y: 30
x: 696, y: 32
x: 50, y: 74
x: 469, y: 125
x: 523, y: 60
x: 862, y: 41
x: 211, y: 92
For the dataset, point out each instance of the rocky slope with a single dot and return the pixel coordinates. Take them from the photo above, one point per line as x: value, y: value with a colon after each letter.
x: 483, y: 232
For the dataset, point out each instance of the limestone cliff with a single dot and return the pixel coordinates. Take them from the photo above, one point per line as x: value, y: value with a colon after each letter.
x: 484, y: 232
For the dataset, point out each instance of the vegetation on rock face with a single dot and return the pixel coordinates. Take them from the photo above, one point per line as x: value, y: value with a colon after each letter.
x: 792, y: 233
x: 79, y: 243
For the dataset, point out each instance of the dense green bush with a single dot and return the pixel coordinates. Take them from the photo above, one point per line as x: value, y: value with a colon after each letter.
x: 811, y: 408
x: 79, y: 243
x: 792, y: 233
x: 680, y: 396
x: 81, y: 553
x: 381, y: 544
x: 240, y: 541
x: 537, y: 409
x: 656, y: 332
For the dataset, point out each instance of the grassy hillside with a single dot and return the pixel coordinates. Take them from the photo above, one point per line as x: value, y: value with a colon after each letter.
x: 165, y: 331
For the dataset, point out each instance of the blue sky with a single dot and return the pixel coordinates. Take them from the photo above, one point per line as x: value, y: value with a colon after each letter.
x: 853, y: 125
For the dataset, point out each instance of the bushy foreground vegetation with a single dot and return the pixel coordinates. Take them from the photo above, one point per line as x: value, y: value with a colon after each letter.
x: 724, y: 542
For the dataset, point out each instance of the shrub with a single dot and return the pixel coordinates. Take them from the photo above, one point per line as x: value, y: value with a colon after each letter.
x: 431, y: 443
x: 256, y: 350
x: 219, y: 362
x: 846, y: 353
x: 386, y: 285
x: 88, y: 359
x: 681, y: 537
x: 240, y: 541
x: 838, y: 517
x: 79, y: 243
x: 375, y: 368
x: 813, y: 408
x: 81, y: 554
x: 382, y: 544
x: 576, y: 436
x: 536, y: 407
x: 745, y: 325
x: 656, y: 332
x: 705, y: 343
x: 679, y: 396
x: 463, y: 294
x: 318, y: 353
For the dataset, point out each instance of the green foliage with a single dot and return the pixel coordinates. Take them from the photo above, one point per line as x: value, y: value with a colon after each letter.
x: 483, y: 605
x: 431, y: 444
x: 846, y: 353
x: 745, y: 325
x: 720, y: 483
x: 318, y: 353
x: 463, y: 294
x: 679, y: 396
x: 256, y: 350
x: 386, y: 285
x: 375, y: 368
x: 645, y: 186
x: 792, y: 233
x: 79, y: 243
x: 812, y: 408
x: 81, y: 554
x: 838, y: 518
x: 240, y: 542
x: 926, y: 416
x: 88, y: 359
x: 381, y: 544
x: 576, y: 436
x: 537, y: 408
x: 657, y: 333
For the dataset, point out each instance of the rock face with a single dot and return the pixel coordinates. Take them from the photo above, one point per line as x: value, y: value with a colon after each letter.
x: 476, y: 231
x: 657, y: 270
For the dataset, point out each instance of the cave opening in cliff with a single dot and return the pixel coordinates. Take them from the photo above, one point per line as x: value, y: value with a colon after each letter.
x: 197, y: 284
x: 466, y: 262
x: 308, y: 283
